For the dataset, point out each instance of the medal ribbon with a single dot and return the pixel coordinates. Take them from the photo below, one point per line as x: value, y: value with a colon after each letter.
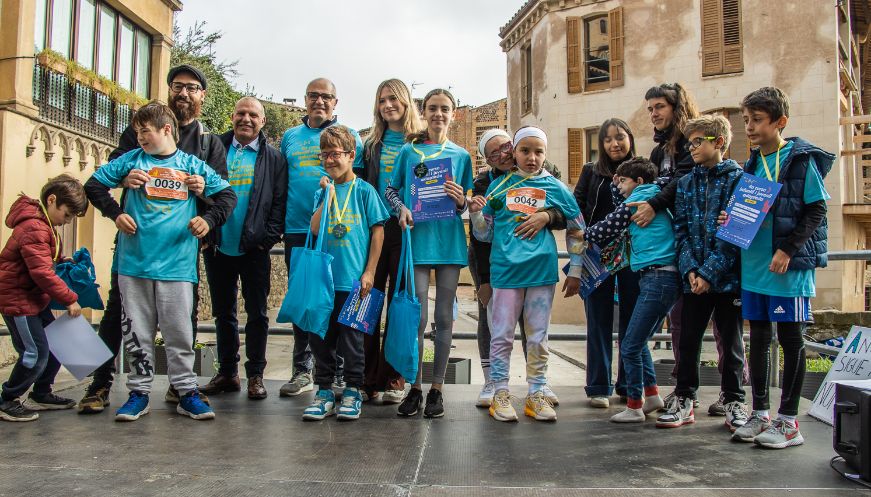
x: 341, y: 214
x: 53, y: 232
x: 497, y: 191
x: 424, y: 157
x: 776, y: 164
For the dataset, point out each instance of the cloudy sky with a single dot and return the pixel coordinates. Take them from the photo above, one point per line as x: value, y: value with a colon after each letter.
x: 283, y: 44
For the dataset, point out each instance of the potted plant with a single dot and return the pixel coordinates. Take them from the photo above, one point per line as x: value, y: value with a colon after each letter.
x: 459, y: 370
x: 709, y: 373
x: 205, y: 358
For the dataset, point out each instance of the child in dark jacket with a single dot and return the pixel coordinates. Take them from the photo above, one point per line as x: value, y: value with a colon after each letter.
x: 27, y: 284
x: 710, y: 271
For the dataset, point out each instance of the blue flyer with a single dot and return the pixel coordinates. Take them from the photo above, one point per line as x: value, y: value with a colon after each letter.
x: 429, y: 202
x: 747, y: 207
x: 362, y: 314
x: 593, y: 273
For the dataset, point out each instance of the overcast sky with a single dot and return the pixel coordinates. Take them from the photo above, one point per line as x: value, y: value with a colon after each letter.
x: 283, y: 44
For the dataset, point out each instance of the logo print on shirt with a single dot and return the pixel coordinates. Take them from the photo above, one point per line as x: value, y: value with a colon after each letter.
x: 779, y: 310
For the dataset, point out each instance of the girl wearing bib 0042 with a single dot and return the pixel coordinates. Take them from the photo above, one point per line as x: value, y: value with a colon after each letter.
x: 524, y: 272
x: 437, y: 243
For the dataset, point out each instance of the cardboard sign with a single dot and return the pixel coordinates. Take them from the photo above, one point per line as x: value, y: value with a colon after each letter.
x: 525, y: 200
x: 747, y: 208
x: 853, y: 363
x: 165, y: 183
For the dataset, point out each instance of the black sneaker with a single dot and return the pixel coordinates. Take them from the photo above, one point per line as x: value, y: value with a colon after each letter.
x: 96, y: 399
x: 48, y: 402
x: 434, y: 407
x: 411, y: 403
x: 14, y: 410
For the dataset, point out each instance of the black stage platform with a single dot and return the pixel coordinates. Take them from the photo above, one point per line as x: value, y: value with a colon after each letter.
x: 263, y: 448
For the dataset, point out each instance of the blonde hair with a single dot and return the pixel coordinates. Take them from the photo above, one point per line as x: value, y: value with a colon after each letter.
x: 710, y: 125
x: 410, y: 120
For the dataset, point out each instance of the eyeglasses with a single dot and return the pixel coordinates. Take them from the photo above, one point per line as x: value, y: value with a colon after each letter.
x: 314, y: 96
x: 697, y: 142
x: 333, y: 155
x: 190, y: 87
x: 496, y: 154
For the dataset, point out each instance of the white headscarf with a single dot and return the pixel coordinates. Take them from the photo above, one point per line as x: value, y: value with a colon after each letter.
x: 489, y: 135
x: 528, y: 131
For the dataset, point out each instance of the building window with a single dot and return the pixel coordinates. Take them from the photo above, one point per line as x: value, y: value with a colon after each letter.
x: 722, y: 44
x: 739, y: 147
x: 96, y: 36
x: 526, y: 78
x: 597, y: 63
x: 576, y: 154
x: 68, y: 239
x: 591, y: 145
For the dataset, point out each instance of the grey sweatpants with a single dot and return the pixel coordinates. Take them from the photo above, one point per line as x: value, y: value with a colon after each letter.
x: 447, y: 277
x: 145, y: 305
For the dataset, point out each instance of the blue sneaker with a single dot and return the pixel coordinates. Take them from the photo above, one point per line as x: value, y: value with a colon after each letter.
x: 352, y: 404
x: 136, y: 406
x: 323, y: 405
x: 191, y: 404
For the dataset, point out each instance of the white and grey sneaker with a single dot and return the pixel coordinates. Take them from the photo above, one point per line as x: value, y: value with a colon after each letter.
x: 736, y: 415
x: 551, y: 396
x: 392, y: 396
x: 485, y: 398
x: 753, y: 427
x: 301, y: 382
x: 679, y: 413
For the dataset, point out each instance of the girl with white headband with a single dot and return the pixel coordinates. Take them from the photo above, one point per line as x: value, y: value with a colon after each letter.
x: 524, y: 271
x: 436, y: 244
x: 496, y: 149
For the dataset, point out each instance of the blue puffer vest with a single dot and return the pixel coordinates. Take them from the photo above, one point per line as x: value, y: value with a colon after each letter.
x: 789, y: 206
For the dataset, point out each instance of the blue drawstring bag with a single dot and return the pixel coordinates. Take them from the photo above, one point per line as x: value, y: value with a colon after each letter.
x: 80, y: 276
x: 400, y: 345
x: 310, y: 292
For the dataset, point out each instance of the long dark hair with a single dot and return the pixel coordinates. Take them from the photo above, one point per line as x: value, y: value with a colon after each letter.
x: 604, y: 166
x: 684, y: 109
x: 424, y: 134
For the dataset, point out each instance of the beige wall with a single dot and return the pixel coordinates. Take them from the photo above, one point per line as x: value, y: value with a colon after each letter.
x: 662, y: 44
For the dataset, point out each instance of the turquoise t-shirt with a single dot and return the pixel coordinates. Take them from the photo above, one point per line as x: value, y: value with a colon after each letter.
x: 351, y: 252
x: 652, y: 245
x: 391, y: 143
x: 517, y: 263
x: 301, y: 146
x: 755, y: 276
x: 240, y: 169
x: 162, y: 248
x: 443, y: 241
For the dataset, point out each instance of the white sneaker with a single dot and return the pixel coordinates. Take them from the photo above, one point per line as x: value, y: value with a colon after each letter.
x: 392, y: 396
x: 599, y: 401
x: 652, y: 403
x: 629, y: 415
x: 551, y: 396
x: 485, y: 398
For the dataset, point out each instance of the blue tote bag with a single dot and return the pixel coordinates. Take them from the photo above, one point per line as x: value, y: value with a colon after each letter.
x: 400, y: 346
x: 80, y: 276
x: 310, y: 292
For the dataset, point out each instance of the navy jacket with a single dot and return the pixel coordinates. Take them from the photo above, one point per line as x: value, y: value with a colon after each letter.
x: 800, y: 229
x: 264, y: 221
x: 700, y: 197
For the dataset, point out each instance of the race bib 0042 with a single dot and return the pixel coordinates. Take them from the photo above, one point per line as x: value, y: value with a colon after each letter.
x: 165, y: 183
x: 525, y: 200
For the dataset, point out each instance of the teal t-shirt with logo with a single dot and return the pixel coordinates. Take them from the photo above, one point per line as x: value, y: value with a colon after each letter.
x: 240, y: 171
x: 301, y: 146
x: 391, y: 143
x: 162, y: 248
x: 755, y: 276
x: 518, y: 263
x: 443, y: 241
x: 351, y: 251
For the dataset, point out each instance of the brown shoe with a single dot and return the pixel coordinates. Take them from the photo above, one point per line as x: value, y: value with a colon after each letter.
x: 256, y: 390
x: 221, y: 383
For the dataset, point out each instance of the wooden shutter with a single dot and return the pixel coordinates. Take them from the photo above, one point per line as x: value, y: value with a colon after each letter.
x: 573, y: 54
x: 733, y: 46
x: 615, y: 27
x: 576, y: 154
x: 712, y: 37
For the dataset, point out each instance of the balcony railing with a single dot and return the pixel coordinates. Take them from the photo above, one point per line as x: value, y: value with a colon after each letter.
x: 82, y: 109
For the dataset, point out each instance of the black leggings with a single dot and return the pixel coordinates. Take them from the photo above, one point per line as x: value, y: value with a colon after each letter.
x: 790, y: 337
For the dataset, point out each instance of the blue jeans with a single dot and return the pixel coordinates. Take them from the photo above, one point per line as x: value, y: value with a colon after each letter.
x: 658, y: 292
x: 599, y: 307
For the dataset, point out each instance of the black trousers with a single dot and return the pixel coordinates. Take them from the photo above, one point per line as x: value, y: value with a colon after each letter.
x: 340, y: 340
x: 696, y: 313
x: 790, y: 337
x: 379, y: 374
x: 224, y: 273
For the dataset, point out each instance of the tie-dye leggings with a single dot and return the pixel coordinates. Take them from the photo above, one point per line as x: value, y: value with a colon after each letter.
x: 507, y: 303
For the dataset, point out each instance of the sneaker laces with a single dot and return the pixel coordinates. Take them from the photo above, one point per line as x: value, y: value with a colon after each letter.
x: 504, y: 401
x: 540, y: 401
x: 736, y: 409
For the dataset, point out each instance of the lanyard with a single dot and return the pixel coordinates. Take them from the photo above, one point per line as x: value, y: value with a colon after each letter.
x: 340, y: 214
x: 497, y: 191
x: 776, y: 164
x: 53, y: 232
x: 424, y: 157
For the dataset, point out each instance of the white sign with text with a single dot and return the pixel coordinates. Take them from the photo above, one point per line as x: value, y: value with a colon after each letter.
x: 852, y: 363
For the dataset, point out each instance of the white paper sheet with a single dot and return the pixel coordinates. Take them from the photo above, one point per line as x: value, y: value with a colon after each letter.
x: 75, y: 344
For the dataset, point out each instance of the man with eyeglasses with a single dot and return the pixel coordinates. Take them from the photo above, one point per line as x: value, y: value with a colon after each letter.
x: 187, y: 90
x: 300, y: 145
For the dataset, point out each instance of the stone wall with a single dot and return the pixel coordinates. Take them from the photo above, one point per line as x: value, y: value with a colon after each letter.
x: 277, y: 289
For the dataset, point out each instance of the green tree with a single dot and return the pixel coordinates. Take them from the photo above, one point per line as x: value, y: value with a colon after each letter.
x: 195, y: 49
x: 279, y: 118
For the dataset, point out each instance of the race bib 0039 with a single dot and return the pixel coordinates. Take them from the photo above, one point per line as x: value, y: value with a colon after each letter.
x: 525, y: 200
x: 165, y: 183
